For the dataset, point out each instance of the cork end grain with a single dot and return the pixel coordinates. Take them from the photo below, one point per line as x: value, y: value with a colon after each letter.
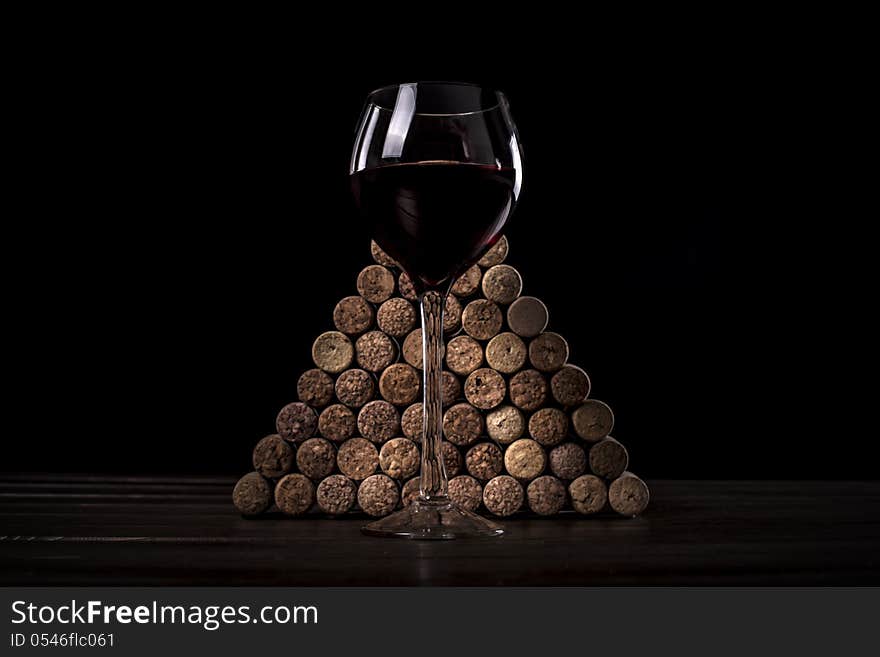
x: 505, y: 424
x: 400, y: 384
x: 451, y: 458
x: 375, y: 283
x: 484, y: 461
x: 378, y: 421
x: 375, y: 351
x: 380, y: 257
x: 468, y: 283
x: 296, y: 422
x: 410, y: 492
x: 353, y: 315
x: 503, y: 496
x: 357, y: 458
x: 252, y: 494
x: 588, y: 494
x: 548, y: 426
x: 466, y: 492
x: 546, y: 495
x: 450, y: 389
x: 355, y: 388
x: 332, y: 352
x: 495, y: 255
x: 628, y: 495
x: 462, y: 424
x: 548, y: 352
x: 378, y: 495
x: 463, y: 355
x: 396, y: 317
x: 502, y: 284
x: 528, y: 390
x: 316, y: 458
x: 273, y: 456
x: 485, y: 388
x: 592, y: 420
x: 525, y: 459
x: 294, y: 494
x: 336, y: 495
x: 506, y: 352
x: 399, y: 458
x: 527, y: 317
x: 568, y: 461
x: 337, y: 423
x: 608, y: 458
x: 570, y: 386
x: 482, y: 319
x: 315, y: 388
x: 411, y: 422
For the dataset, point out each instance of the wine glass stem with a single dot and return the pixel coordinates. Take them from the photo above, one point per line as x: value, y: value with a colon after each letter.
x: 433, y: 475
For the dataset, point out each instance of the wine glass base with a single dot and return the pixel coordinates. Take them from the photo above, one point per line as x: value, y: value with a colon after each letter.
x: 438, y: 519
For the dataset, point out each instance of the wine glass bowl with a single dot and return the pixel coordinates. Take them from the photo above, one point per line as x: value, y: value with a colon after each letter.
x: 436, y: 171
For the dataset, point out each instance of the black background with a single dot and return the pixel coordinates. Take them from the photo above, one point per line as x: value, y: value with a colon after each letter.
x: 187, y: 230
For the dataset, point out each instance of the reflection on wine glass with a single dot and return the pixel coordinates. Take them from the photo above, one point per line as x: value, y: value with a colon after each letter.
x: 436, y: 171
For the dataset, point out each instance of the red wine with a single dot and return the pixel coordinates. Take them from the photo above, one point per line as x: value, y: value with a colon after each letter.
x: 435, y: 218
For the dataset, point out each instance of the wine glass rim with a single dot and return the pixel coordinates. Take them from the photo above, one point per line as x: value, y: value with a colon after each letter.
x: 371, y: 97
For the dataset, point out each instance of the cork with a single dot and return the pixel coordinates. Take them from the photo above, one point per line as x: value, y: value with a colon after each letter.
x: 380, y: 257
x: 252, y: 494
x: 546, y: 495
x: 502, y: 284
x: 588, y: 494
x: 353, y: 315
x: 525, y: 459
x: 375, y: 283
x: 465, y: 492
x: 485, y: 388
x: 505, y: 424
x: 357, y: 458
x: 506, y: 352
x: 548, y: 426
x: 482, y: 319
x: 332, y: 352
x: 406, y: 287
x: 450, y: 388
x: 592, y: 420
x: 548, y: 352
x: 451, y: 458
x: 527, y: 317
x: 375, y: 351
x: 396, y: 317
x: 294, y: 494
x: 273, y: 457
x: 399, y: 458
x: 296, y: 422
x: 570, y: 386
x: 496, y: 255
x: 412, y: 348
x: 378, y: 421
x: 503, y: 496
x: 355, y: 388
x: 411, y: 422
x: 484, y: 461
x: 337, y: 423
x: 528, y: 390
x: 315, y: 388
x: 410, y: 491
x: 468, y: 283
x: 399, y: 384
x: 628, y: 495
x: 451, y: 314
x: 608, y: 458
x: 378, y: 495
x: 316, y: 458
x: 462, y: 424
x: 336, y: 495
x: 568, y: 461
x: 463, y: 355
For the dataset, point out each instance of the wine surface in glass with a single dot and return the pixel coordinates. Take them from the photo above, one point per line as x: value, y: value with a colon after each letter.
x: 435, y: 218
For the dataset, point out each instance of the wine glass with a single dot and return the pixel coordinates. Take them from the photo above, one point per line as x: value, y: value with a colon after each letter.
x: 436, y: 171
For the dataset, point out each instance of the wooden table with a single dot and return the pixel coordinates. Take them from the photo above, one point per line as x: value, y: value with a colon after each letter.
x: 101, y: 530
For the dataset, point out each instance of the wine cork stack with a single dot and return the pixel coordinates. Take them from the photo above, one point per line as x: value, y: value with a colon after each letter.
x: 522, y: 432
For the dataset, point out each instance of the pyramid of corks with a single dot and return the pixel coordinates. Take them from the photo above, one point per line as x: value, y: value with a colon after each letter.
x: 521, y: 432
